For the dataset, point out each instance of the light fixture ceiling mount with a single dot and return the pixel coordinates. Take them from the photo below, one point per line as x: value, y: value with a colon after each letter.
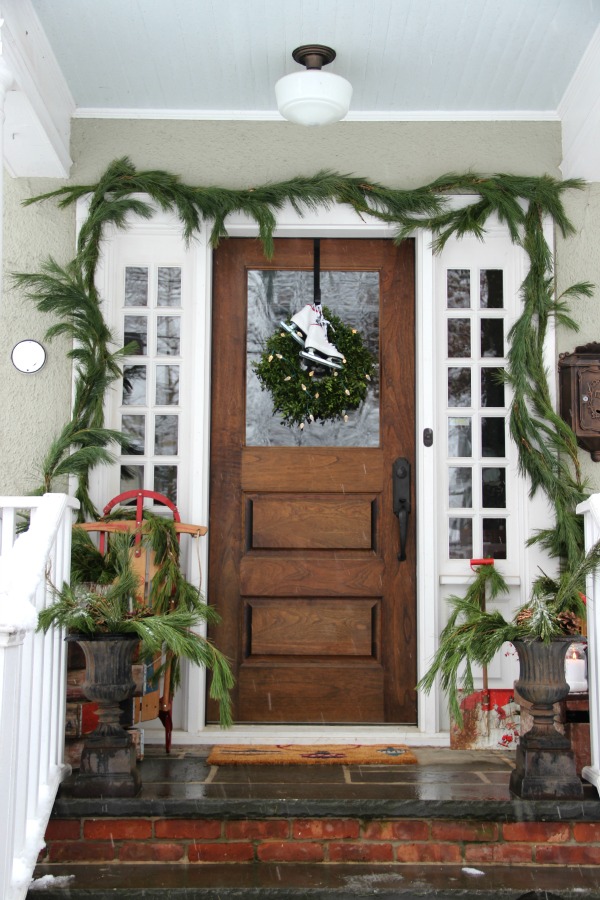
x: 313, y: 56
x: 313, y: 97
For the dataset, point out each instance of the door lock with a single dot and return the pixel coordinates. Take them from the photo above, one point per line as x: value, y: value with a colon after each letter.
x: 401, y: 499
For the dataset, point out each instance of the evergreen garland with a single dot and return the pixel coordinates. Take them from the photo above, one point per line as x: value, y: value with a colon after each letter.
x: 298, y: 394
x: 83, y: 442
x: 546, y: 446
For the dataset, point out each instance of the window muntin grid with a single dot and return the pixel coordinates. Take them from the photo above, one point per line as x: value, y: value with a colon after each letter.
x: 476, y: 468
x: 150, y: 411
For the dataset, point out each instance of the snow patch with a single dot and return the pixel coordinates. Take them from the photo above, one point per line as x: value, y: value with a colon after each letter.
x: 47, y: 881
x: 475, y: 872
x: 23, y: 567
x: 387, y: 879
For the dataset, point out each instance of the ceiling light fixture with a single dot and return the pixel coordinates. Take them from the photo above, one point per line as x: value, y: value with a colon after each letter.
x: 313, y: 97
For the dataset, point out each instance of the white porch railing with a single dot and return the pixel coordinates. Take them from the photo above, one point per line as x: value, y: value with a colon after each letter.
x: 32, y: 681
x: 591, y: 517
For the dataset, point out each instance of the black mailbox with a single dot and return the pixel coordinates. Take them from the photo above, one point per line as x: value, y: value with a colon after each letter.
x: 579, y: 387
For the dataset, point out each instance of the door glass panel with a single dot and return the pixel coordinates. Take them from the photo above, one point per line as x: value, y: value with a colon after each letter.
x: 460, y: 487
x: 168, y: 335
x: 494, y: 538
x: 492, y: 388
x: 166, y: 430
x: 169, y: 286
x: 460, y: 538
x: 459, y: 289
x: 136, y: 331
x: 460, y: 441
x: 134, y: 385
x: 135, y: 428
x: 493, y: 488
x: 493, y: 440
x: 492, y: 337
x: 459, y: 338
x: 167, y: 385
x: 459, y: 386
x: 165, y: 481
x: 491, y: 289
x: 136, y: 286
x: 277, y: 295
x: 132, y: 479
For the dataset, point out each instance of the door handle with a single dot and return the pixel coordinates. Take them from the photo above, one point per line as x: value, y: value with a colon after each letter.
x: 401, y: 499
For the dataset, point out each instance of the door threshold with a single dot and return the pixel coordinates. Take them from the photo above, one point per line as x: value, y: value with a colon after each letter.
x: 303, y: 734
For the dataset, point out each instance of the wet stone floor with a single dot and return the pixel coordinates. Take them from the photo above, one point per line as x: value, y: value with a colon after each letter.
x: 440, y: 774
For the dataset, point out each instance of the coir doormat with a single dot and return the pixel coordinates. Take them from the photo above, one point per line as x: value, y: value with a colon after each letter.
x: 311, y: 755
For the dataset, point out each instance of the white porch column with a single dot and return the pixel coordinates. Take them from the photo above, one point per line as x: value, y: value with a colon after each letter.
x: 6, y: 82
x: 591, y: 516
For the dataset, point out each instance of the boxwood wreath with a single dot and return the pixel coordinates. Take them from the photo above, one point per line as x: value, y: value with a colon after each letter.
x: 300, y: 393
x: 547, y: 448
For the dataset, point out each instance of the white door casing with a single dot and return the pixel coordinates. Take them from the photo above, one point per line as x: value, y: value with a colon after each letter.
x: 159, y: 242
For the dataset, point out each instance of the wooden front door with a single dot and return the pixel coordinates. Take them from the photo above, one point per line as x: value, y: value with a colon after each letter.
x: 318, y: 614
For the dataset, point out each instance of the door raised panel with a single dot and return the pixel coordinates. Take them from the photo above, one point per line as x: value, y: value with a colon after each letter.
x: 315, y: 627
x: 334, y: 693
x: 311, y: 523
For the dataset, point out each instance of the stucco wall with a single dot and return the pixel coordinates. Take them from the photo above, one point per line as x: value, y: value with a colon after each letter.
x: 578, y: 259
x: 237, y: 154
x: 33, y: 406
x: 234, y: 155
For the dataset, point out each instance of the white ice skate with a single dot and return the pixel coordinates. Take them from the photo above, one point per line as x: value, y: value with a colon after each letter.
x: 301, y: 322
x: 319, y: 350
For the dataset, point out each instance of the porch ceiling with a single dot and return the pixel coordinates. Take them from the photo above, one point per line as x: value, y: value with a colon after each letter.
x: 219, y: 59
x: 405, y: 58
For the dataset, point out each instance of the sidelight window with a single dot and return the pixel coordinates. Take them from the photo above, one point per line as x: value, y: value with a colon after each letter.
x: 476, y: 408
x: 150, y: 396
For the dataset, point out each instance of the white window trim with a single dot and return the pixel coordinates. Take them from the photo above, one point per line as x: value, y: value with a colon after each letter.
x: 342, y: 222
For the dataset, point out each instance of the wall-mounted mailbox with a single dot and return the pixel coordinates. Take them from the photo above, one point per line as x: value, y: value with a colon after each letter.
x: 579, y: 387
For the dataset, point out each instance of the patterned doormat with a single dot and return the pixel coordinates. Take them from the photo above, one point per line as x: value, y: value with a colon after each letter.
x: 311, y: 755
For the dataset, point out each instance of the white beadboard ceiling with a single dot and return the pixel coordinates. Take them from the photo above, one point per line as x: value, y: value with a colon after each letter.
x: 405, y: 58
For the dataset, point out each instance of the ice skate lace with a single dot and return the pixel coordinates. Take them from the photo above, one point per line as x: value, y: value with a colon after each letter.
x: 321, y: 320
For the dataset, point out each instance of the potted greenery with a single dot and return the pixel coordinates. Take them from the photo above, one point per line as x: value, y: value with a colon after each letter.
x: 541, y: 632
x: 102, y: 609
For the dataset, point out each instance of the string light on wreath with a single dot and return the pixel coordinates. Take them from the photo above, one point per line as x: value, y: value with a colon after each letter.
x: 303, y: 396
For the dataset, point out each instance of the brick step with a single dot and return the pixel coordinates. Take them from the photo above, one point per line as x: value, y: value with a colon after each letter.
x: 322, y: 839
x: 196, y: 831
x: 248, y: 881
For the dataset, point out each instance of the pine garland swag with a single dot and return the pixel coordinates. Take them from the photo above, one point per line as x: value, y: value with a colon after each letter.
x: 299, y: 395
x: 546, y: 446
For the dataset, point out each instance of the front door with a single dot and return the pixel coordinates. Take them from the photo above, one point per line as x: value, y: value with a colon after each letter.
x: 318, y: 613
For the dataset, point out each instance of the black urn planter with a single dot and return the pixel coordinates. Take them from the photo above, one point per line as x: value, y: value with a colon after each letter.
x: 545, y: 764
x: 108, y: 761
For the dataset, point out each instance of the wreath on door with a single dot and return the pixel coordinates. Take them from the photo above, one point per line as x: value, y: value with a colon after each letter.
x: 303, y: 392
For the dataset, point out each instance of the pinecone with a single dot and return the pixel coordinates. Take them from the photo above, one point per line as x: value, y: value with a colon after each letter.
x: 523, y: 616
x: 569, y: 623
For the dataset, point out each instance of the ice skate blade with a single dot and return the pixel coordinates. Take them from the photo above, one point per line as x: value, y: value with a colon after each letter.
x: 293, y: 330
x: 320, y: 360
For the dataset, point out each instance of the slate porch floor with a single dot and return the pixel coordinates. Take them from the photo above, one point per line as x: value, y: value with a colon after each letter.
x: 460, y: 783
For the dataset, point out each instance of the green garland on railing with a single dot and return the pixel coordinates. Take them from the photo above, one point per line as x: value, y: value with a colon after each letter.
x: 546, y: 445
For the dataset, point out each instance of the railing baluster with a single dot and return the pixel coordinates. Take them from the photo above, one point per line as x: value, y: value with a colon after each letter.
x: 32, y: 681
x: 591, y: 518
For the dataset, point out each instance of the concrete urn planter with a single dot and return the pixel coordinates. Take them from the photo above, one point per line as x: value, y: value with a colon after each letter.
x: 545, y: 766
x: 108, y: 761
